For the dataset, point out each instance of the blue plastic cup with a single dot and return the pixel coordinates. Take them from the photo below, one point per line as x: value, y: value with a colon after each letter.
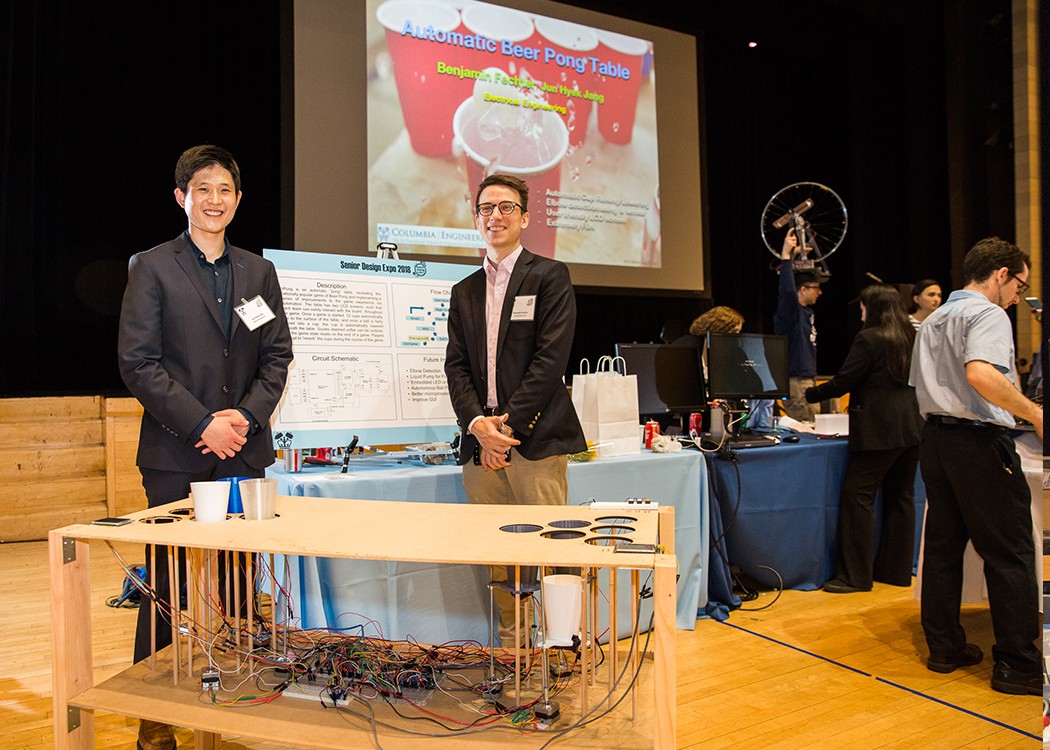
x: 235, y: 494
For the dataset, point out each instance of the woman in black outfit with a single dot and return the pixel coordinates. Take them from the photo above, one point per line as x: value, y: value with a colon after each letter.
x: 884, y: 428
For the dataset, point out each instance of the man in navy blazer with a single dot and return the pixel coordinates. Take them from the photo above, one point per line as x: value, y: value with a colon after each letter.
x: 510, y: 329
x: 204, y: 346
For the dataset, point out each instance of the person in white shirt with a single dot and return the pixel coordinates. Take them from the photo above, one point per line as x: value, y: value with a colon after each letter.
x: 925, y: 298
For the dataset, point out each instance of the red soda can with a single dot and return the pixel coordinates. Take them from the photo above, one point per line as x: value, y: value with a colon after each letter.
x: 652, y: 429
x: 696, y: 423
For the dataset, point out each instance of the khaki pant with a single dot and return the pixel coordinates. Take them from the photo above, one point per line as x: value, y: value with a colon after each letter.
x: 524, y: 482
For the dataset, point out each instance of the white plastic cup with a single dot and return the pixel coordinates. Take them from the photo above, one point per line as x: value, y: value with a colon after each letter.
x: 258, y: 498
x: 210, y: 501
x: 561, y: 595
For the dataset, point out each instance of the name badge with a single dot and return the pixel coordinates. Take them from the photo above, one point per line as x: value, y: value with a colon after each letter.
x: 524, y: 308
x: 254, y: 312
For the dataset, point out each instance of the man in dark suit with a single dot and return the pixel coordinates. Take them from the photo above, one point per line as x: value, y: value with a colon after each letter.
x: 204, y: 346
x: 510, y: 329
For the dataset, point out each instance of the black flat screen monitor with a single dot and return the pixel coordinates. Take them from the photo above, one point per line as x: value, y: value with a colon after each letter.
x: 670, y: 378
x: 747, y: 366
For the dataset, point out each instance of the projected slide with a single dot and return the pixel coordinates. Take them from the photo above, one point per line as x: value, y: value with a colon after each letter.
x: 456, y: 94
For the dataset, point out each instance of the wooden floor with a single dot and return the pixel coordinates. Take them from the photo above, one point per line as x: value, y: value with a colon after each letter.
x: 814, y: 670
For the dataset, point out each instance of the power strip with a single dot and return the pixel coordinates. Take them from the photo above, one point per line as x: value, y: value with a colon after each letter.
x: 631, y: 503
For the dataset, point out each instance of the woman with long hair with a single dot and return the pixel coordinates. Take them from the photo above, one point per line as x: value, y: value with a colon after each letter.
x: 884, y: 429
x: 925, y: 298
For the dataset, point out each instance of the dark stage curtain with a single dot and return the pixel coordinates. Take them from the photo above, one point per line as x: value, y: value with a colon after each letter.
x: 902, y: 107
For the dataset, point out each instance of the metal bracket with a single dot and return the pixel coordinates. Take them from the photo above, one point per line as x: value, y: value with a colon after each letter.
x: 72, y: 718
x: 69, y: 550
x: 386, y: 250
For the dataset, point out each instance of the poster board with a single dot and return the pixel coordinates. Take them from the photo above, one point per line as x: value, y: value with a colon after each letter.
x: 369, y: 337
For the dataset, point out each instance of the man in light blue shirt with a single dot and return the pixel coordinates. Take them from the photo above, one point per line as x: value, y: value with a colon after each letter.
x: 963, y: 372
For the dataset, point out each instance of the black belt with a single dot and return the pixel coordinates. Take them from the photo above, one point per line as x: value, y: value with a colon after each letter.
x: 491, y: 411
x: 956, y: 422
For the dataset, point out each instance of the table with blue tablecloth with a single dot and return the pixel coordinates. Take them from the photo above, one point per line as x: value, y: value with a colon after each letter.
x: 775, y: 513
x: 437, y: 603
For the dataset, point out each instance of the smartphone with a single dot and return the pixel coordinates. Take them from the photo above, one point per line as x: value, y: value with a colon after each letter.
x: 1035, y: 302
x: 111, y: 521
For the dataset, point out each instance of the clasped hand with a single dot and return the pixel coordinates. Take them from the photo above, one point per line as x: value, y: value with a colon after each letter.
x: 225, y: 435
x: 492, y: 435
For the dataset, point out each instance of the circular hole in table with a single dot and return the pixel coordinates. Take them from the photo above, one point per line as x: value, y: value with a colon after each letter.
x: 570, y: 523
x: 160, y: 519
x: 609, y: 530
x: 520, y: 528
x: 617, y: 520
x: 194, y: 518
x: 607, y: 541
x: 562, y: 534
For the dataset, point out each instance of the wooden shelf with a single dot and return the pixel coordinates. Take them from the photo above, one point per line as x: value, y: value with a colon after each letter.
x: 143, y: 693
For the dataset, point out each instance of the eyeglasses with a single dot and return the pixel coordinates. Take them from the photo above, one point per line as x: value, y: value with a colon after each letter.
x: 1022, y: 286
x: 811, y: 286
x: 505, y: 207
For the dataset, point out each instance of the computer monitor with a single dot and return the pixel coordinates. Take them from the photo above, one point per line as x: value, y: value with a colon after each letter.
x: 747, y: 366
x: 670, y: 378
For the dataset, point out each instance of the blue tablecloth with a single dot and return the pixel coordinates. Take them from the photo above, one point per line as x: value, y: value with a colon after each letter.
x: 436, y: 603
x: 779, y: 509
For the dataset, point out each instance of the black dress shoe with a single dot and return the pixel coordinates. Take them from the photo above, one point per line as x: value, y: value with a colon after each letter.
x: 838, y: 586
x: 971, y: 654
x: 1006, y: 679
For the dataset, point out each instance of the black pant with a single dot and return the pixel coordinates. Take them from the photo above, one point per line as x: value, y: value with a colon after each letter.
x: 164, y: 487
x: 894, y: 471
x: 976, y: 491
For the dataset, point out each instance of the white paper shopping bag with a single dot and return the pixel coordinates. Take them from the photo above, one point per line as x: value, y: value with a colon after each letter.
x: 607, y: 406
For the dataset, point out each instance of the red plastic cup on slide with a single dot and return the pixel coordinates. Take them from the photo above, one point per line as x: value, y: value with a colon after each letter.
x: 510, y: 35
x: 622, y: 57
x: 566, y: 49
x: 428, y: 98
x: 515, y: 140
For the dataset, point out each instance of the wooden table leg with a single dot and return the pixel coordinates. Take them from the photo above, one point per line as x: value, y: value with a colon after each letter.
x: 71, y: 666
x: 664, y: 668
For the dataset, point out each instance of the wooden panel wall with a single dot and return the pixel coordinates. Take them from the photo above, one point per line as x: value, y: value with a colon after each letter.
x: 66, y: 460
x: 52, y: 464
x: 123, y: 482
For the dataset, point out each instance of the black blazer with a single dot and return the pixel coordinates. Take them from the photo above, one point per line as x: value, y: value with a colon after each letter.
x: 175, y: 359
x: 531, y: 358
x: 883, y: 413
